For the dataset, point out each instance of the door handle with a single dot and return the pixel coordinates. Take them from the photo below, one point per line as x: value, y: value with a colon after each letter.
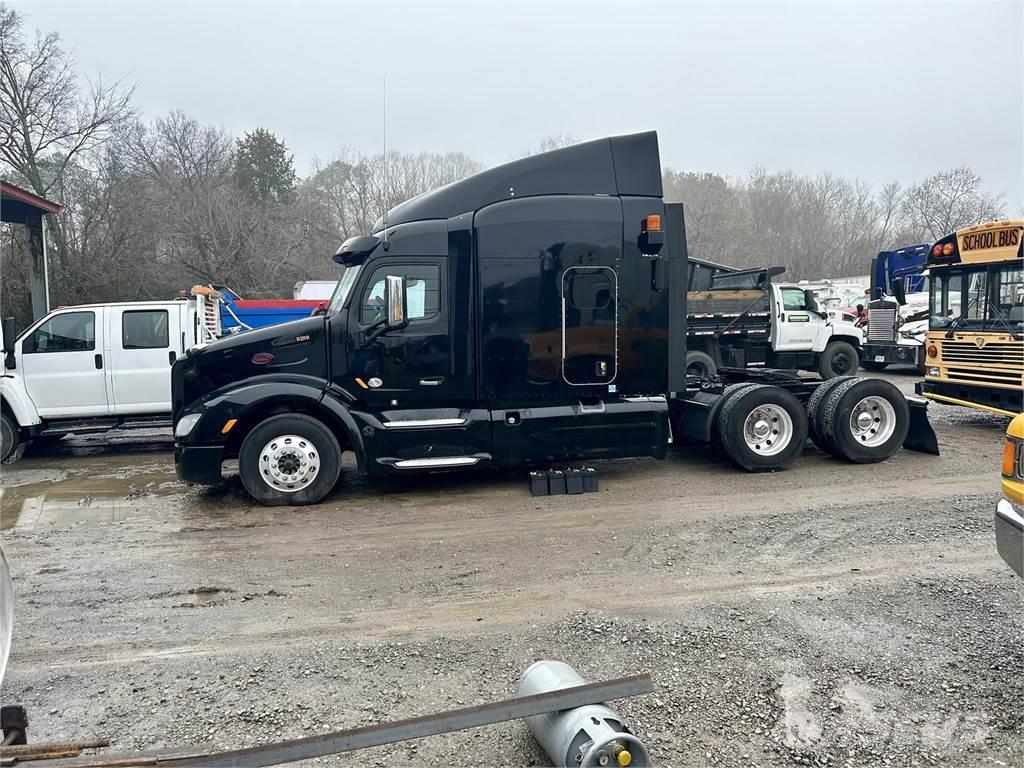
x: 98, y: 359
x: 171, y: 356
x: 431, y: 381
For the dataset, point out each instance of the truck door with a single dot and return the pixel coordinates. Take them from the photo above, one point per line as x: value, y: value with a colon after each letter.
x: 411, y: 367
x: 63, y: 364
x: 143, y: 342
x: 797, y: 326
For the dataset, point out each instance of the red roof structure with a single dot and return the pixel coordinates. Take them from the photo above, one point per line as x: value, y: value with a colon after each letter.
x: 15, y: 199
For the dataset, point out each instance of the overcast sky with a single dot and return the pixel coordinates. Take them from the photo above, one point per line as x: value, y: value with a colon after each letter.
x: 877, y: 91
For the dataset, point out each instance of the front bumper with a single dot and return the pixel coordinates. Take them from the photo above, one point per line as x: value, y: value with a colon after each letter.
x: 199, y: 464
x: 892, y: 353
x: 1009, y: 525
x: 1002, y: 400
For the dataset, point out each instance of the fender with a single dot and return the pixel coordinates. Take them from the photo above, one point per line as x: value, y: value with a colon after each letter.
x: 249, y: 401
x: 14, y: 396
x: 852, y: 340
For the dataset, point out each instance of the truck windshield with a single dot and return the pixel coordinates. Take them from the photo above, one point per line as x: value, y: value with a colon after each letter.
x: 344, y: 288
x: 986, y: 299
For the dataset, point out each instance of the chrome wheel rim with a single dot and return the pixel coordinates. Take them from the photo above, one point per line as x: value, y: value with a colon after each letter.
x: 873, y: 421
x: 768, y: 429
x: 289, y: 463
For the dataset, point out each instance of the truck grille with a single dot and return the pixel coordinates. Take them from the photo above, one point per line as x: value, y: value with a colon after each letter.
x: 882, y: 325
x: 993, y: 353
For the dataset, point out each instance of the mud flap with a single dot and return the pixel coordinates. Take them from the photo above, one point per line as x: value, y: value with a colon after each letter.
x: 920, y: 436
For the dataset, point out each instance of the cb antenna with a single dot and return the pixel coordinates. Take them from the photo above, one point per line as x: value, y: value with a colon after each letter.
x: 386, y: 191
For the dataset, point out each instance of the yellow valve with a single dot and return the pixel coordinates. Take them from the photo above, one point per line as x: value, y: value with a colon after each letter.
x: 624, y: 758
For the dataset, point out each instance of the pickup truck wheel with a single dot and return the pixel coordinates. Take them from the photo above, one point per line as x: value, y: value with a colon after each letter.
x: 816, y: 409
x: 839, y: 358
x: 700, y: 364
x: 866, y: 420
x: 762, y: 428
x: 8, y: 437
x: 289, y: 459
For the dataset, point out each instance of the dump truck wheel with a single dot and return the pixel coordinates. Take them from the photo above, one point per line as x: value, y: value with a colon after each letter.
x: 839, y: 358
x: 8, y: 437
x: 815, y: 409
x: 866, y: 420
x: 762, y: 428
x: 289, y: 459
x: 700, y: 364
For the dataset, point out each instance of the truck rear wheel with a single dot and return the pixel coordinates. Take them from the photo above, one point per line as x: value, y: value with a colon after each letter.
x: 727, y: 393
x: 815, y: 412
x: 865, y: 420
x: 700, y: 364
x: 762, y: 428
x: 839, y: 358
x: 289, y: 459
x: 8, y: 437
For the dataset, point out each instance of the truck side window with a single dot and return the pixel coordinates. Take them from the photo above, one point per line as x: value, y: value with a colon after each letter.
x: 423, y: 292
x: 793, y: 300
x: 66, y: 332
x: 144, y: 329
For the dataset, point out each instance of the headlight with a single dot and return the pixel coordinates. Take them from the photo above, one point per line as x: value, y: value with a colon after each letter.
x: 933, y: 371
x: 185, y: 424
x: 1013, y: 459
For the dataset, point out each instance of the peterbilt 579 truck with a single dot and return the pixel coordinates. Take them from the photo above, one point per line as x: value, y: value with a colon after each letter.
x: 530, y: 314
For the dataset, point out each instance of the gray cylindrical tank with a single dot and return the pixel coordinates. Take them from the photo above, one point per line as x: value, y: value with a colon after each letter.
x: 593, y: 736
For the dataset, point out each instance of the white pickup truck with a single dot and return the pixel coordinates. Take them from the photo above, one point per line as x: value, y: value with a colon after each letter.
x: 95, y: 367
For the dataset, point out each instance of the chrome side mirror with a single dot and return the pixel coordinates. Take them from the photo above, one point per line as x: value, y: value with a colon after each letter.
x: 395, y: 298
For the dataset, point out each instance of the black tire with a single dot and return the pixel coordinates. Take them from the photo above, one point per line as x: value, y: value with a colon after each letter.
x: 700, y: 364
x: 815, y: 409
x: 842, y: 405
x: 322, y: 447
x: 839, y: 358
x: 871, y: 365
x: 734, y: 414
x: 727, y: 393
x: 8, y: 437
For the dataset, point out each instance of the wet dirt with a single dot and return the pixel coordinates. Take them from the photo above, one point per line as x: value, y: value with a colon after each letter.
x: 833, y: 614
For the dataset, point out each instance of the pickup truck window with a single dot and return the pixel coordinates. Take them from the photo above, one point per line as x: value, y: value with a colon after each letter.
x: 66, y: 332
x: 423, y: 292
x: 144, y: 329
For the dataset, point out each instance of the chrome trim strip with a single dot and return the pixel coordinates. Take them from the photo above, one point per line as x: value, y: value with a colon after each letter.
x: 414, y: 423
x: 440, y: 461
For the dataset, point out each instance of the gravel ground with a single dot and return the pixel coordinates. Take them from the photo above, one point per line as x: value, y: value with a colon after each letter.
x: 828, y: 615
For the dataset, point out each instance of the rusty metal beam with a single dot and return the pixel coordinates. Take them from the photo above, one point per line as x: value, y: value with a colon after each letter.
x: 383, y: 733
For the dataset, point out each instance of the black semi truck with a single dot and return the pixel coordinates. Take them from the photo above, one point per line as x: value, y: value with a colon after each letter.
x: 532, y: 314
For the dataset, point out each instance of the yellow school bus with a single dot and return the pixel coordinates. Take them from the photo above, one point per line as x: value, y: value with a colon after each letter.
x: 974, y: 349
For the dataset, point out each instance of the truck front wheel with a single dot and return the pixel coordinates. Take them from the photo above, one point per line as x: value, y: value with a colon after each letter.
x: 289, y: 459
x: 762, y: 428
x: 839, y: 358
x: 8, y: 437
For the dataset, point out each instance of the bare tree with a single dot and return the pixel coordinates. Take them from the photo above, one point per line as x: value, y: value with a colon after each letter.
x: 948, y: 201
x: 47, y: 121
